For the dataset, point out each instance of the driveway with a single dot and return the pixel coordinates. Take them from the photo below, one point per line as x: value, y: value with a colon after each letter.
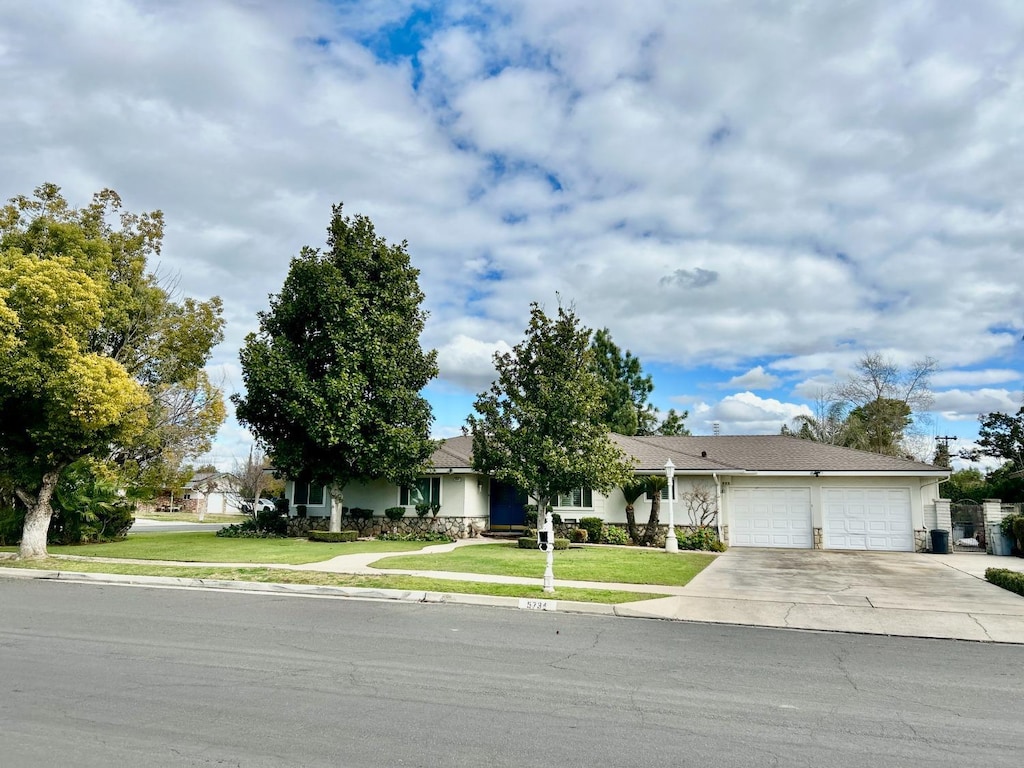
x: 888, y: 593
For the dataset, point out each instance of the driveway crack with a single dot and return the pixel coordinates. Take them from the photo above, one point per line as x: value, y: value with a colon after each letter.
x: 982, y: 626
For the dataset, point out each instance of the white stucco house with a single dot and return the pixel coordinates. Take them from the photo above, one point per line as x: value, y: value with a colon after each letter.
x: 767, y: 490
x: 214, y: 493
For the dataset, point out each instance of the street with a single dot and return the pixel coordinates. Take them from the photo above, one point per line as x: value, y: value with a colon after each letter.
x: 104, y: 675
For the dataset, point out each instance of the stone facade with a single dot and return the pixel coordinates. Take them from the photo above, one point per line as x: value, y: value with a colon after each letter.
x: 453, y: 527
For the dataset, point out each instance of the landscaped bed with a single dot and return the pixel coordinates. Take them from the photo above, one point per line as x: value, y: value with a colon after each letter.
x: 615, y: 565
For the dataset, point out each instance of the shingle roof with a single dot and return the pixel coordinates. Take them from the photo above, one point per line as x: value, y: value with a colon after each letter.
x: 725, y: 454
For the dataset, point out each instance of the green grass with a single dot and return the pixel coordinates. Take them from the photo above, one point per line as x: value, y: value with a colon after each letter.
x: 625, y: 565
x: 191, y: 517
x: 278, y: 576
x: 206, y: 547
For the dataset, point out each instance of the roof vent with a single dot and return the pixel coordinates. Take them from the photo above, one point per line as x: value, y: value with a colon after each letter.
x: 703, y: 454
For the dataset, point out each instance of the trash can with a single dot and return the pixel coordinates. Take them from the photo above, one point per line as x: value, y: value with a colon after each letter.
x: 940, y: 541
x: 998, y: 544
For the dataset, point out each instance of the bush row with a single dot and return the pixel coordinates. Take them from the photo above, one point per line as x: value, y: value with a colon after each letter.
x: 530, y: 542
x: 333, y: 536
x: 1007, y: 579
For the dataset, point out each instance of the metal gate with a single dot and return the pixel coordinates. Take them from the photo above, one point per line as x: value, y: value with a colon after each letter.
x: 968, y: 533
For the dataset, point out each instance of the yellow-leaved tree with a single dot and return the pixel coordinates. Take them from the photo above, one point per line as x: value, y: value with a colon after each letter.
x: 88, y: 341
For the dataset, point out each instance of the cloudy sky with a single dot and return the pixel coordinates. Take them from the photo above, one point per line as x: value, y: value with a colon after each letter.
x: 749, y: 195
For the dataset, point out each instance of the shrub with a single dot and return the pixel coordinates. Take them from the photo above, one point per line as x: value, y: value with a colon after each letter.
x: 1012, y: 526
x: 530, y: 542
x: 333, y: 536
x: 11, y: 523
x: 421, y: 536
x: 360, y: 514
x: 1007, y: 579
x: 394, y: 514
x: 248, y: 530
x: 422, y: 510
x: 531, y: 517
x: 615, y: 535
x: 594, y: 526
x: 281, y: 505
x: 300, y: 510
x: 578, y: 536
x: 702, y: 538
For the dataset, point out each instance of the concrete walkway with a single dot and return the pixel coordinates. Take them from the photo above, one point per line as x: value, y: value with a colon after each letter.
x: 888, y: 593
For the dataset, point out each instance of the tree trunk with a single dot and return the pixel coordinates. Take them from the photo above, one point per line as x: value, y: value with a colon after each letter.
x: 37, y: 519
x: 652, y: 522
x: 634, y: 534
x: 337, y: 499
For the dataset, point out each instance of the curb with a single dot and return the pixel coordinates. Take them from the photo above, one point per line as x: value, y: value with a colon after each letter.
x: 310, y: 590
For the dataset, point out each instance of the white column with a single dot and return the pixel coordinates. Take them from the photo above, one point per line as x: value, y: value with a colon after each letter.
x: 671, y: 543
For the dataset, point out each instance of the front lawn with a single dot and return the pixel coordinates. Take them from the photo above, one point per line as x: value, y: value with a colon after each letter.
x: 206, y: 547
x: 621, y: 565
x: 320, y: 578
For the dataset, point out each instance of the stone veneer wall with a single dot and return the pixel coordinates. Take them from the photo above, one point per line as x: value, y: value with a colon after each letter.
x: 453, y: 527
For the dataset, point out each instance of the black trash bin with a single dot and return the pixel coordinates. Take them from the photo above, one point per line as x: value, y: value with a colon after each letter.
x: 940, y: 542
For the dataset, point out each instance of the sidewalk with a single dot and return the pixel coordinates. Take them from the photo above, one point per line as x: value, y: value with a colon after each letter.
x: 902, y: 594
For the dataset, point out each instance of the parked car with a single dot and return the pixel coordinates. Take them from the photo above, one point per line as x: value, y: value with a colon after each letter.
x: 263, y: 505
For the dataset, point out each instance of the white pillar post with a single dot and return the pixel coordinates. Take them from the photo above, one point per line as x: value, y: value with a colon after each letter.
x: 671, y: 543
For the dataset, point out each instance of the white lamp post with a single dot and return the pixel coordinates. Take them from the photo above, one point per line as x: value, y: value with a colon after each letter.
x: 671, y: 544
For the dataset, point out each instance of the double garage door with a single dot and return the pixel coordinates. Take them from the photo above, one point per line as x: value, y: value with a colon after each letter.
x: 853, y: 518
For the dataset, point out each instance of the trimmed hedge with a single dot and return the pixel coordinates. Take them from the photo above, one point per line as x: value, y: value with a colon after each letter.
x: 1007, y: 579
x: 333, y: 536
x: 594, y: 526
x: 527, y: 542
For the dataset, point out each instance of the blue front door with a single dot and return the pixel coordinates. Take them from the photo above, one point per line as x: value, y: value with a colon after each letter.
x: 507, y: 506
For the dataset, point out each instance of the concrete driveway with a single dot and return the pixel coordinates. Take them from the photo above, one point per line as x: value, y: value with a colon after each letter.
x: 888, y: 593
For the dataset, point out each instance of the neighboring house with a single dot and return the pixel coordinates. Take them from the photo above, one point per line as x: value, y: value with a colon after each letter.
x: 214, y: 493
x: 768, y: 490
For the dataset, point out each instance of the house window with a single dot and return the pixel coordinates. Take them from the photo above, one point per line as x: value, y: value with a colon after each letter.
x: 577, y: 497
x: 664, y: 493
x: 308, y: 494
x: 425, y: 490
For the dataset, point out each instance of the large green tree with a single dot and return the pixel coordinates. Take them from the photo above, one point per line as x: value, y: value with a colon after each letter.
x: 539, y: 427
x: 91, y: 338
x: 334, y: 375
x: 625, y: 390
x: 1001, y: 436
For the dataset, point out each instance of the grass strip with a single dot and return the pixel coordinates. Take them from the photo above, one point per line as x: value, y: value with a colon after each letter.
x: 616, y: 565
x: 206, y: 547
x: 320, y: 578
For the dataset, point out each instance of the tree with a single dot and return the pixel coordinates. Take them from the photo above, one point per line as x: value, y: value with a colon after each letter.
x: 539, y: 427
x: 674, y: 423
x: 873, y: 409
x: 884, y: 399
x: 334, y: 374
x: 89, y: 336
x: 651, y: 485
x: 1002, y: 436
x: 625, y: 389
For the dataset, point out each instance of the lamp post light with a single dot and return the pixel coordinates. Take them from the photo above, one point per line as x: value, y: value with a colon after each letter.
x: 671, y: 543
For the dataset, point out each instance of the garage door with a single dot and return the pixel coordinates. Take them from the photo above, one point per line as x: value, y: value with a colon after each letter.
x: 770, y: 517
x: 859, y: 518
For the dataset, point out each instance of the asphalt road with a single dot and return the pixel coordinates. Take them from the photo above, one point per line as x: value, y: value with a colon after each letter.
x: 117, y: 676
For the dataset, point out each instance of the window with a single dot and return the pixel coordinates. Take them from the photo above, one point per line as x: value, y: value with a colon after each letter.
x: 426, y: 490
x: 308, y: 494
x: 664, y: 493
x: 577, y: 497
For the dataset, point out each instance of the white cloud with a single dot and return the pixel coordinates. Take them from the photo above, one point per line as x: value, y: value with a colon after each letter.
x: 746, y: 414
x: 469, y: 362
x: 956, y: 378
x: 755, y: 378
x: 959, y: 404
x: 720, y: 184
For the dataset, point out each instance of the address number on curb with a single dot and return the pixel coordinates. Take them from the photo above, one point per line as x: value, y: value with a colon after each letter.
x: 526, y: 604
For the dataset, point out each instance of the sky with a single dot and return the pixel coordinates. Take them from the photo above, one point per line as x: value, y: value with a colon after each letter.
x: 749, y: 195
